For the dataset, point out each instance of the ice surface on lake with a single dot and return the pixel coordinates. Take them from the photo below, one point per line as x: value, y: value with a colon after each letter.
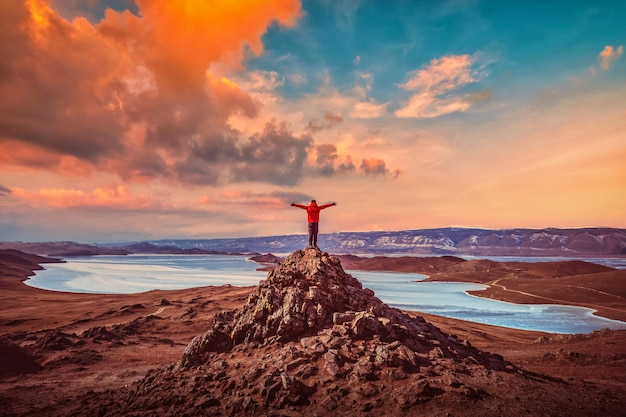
x: 138, y: 273
x: 450, y: 299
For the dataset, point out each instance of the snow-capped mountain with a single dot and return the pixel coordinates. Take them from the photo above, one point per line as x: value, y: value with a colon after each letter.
x: 452, y: 241
x: 556, y: 242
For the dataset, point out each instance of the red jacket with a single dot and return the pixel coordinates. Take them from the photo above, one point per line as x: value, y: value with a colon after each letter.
x: 313, y: 211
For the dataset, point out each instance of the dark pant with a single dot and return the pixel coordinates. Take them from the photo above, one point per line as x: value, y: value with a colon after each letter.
x: 313, y: 228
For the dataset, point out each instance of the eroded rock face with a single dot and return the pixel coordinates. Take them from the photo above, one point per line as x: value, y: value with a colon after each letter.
x: 305, y: 294
x: 315, y: 319
x: 311, y: 339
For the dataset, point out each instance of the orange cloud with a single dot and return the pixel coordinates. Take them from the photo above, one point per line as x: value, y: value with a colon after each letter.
x: 114, y: 196
x: 178, y: 40
x: 374, y: 166
x: 266, y: 200
x: 233, y: 196
x: 60, y: 84
x: 609, y: 55
x: 131, y: 94
x: 24, y: 156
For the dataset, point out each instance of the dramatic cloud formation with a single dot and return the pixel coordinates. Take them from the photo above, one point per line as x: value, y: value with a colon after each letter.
x: 207, y: 118
x: 609, y: 55
x: 434, y: 87
x: 142, y: 95
x: 60, y: 86
x: 132, y: 93
x: 275, y: 156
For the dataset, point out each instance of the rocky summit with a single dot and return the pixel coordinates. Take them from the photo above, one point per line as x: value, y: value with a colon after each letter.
x: 311, y: 340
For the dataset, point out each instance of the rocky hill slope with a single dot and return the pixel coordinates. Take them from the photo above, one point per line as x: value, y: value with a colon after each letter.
x: 311, y: 340
x: 17, y: 263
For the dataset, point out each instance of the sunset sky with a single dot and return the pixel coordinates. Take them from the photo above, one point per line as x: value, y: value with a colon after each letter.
x: 127, y: 120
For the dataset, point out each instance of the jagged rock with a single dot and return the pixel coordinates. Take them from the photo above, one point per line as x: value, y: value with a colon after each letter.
x: 307, y: 294
x: 312, y: 340
x: 55, y: 340
x: 99, y: 333
x: 197, y: 351
x: 332, y: 362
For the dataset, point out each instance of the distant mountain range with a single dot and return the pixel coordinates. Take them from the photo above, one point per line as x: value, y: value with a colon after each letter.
x: 443, y: 241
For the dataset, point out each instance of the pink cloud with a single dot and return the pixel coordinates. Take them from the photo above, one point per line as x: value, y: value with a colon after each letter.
x: 346, y: 164
x: 434, y: 86
x: 326, y: 158
x: 268, y: 200
x: 442, y: 75
x: 113, y: 196
x: 368, y: 110
x: 329, y: 120
x: 609, y: 55
x: 374, y: 166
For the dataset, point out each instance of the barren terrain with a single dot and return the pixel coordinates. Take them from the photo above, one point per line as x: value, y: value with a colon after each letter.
x: 57, y: 347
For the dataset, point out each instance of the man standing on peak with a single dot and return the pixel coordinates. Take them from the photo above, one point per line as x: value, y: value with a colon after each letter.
x: 313, y: 211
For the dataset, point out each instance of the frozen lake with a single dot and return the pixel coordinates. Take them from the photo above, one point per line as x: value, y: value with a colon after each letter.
x: 138, y: 273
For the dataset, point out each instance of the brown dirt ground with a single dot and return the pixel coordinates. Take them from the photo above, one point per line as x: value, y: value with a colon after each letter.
x: 152, y: 329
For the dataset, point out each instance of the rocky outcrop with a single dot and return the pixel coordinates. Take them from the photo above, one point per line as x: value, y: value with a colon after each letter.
x: 309, y: 298
x: 311, y: 339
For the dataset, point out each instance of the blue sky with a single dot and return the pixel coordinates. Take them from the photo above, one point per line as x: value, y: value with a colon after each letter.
x: 207, y: 118
x: 531, y: 43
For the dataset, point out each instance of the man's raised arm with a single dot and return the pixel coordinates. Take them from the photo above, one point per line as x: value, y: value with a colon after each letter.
x: 298, y: 205
x: 327, y: 205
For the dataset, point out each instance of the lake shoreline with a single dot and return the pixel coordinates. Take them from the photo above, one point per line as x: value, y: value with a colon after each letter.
x: 572, y: 282
x: 70, y: 344
x: 520, y: 283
